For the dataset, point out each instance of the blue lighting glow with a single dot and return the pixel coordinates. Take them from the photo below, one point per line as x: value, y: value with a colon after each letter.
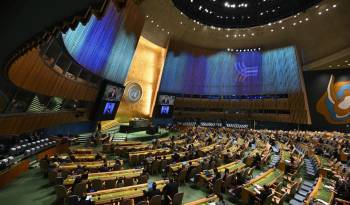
x: 227, y: 73
x: 103, y: 46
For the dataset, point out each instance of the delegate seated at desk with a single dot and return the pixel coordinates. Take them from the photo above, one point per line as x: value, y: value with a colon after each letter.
x: 152, y: 192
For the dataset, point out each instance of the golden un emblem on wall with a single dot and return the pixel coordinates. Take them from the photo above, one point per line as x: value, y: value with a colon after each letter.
x: 134, y: 92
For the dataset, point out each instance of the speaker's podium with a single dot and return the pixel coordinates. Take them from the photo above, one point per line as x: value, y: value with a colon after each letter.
x: 135, y: 125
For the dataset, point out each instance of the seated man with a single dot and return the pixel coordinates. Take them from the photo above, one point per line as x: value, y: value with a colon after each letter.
x: 257, y: 160
x: 170, y: 190
x: 266, y: 192
x: 152, y: 192
x: 104, y: 168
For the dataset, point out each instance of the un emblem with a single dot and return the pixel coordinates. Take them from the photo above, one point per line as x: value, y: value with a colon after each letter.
x: 134, y: 92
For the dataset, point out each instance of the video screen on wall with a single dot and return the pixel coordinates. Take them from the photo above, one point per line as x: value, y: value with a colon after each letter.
x: 165, y: 111
x: 166, y: 100
x: 113, y: 93
x: 165, y: 106
x: 109, y: 103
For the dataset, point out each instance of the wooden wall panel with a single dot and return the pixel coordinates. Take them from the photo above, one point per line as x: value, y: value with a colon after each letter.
x: 294, y: 105
x: 31, y: 73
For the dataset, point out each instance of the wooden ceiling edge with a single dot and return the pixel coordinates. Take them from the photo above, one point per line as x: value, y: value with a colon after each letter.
x: 322, y: 62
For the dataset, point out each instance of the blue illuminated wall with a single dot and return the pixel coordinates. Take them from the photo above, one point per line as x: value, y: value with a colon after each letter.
x: 227, y: 73
x: 104, y: 46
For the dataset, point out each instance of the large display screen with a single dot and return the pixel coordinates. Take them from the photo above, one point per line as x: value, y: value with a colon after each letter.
x: 166, y: 100
x: 227, y: 73
x: 113, y: 93
x: 109, y: 103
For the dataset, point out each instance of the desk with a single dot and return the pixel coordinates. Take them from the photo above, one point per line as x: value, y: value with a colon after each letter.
x: 233, y: 167
x: 325, y: 167
x: 89, y: 165
x: 83, y: 151
x: 124, y: 150
x: 204, y: 201
x: 321, y: 192
x: 267, y: 178
x: 128, y: 173
x: 150, y: 152
x: 250, y: 158
x: 195, y: 162
x: 80, y: 157
x: 130, y: 192
x: 204, y: 150
x: 285, y: 155
x: 127, y: 143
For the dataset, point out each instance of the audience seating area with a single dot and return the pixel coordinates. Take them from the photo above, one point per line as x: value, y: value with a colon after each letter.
x: 231, y: 166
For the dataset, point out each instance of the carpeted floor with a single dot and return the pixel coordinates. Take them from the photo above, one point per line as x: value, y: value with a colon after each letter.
x: 30, y: 188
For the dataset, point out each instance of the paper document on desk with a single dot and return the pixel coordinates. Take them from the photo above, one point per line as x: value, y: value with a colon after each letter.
x: 258, y: 186
x: 256, y: 190
x: 323, y: 202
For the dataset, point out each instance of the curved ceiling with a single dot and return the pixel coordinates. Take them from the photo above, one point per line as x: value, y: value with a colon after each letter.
x: 241, y: 13
x: 319, y: 32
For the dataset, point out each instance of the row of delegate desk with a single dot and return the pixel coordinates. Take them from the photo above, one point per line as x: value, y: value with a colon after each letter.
x: 117, y: 194
x: 105, y: 176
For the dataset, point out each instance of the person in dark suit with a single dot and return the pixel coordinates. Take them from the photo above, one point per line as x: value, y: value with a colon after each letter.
x: 170, y: 190
x: 152, y: 192
x: 266, y: 192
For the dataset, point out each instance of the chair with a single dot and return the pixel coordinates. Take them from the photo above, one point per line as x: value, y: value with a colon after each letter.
x: 110, y: 184
x: 128, y: 181
x: 182, y: 176
x: 65, y: 174
x: 193, y: 173
x: 268, y: 200
x: 79, y: 189
x: 142, y: 179
x: 52, y: 176
x: 117, y: 167
x: 156, y: 200
x: 164, y: 164
x: 127, y: 202
x: 44, y: 166
x: 177, y: 200
x: 97, y: 184
x: 279, y: 200
x: 228, y: 182
x: 142, y: 203
x: 61, y: 192
x: 217, y: 187
x: 155, y: 167
x: 72, y: 200
x: 133, y: 159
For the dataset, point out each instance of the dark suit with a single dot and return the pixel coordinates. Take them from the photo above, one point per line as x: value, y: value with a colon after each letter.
x: 171, y: 189
x: 152, y: 193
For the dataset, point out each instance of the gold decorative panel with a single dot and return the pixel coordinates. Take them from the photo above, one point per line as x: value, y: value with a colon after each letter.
x: 146, y: 70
